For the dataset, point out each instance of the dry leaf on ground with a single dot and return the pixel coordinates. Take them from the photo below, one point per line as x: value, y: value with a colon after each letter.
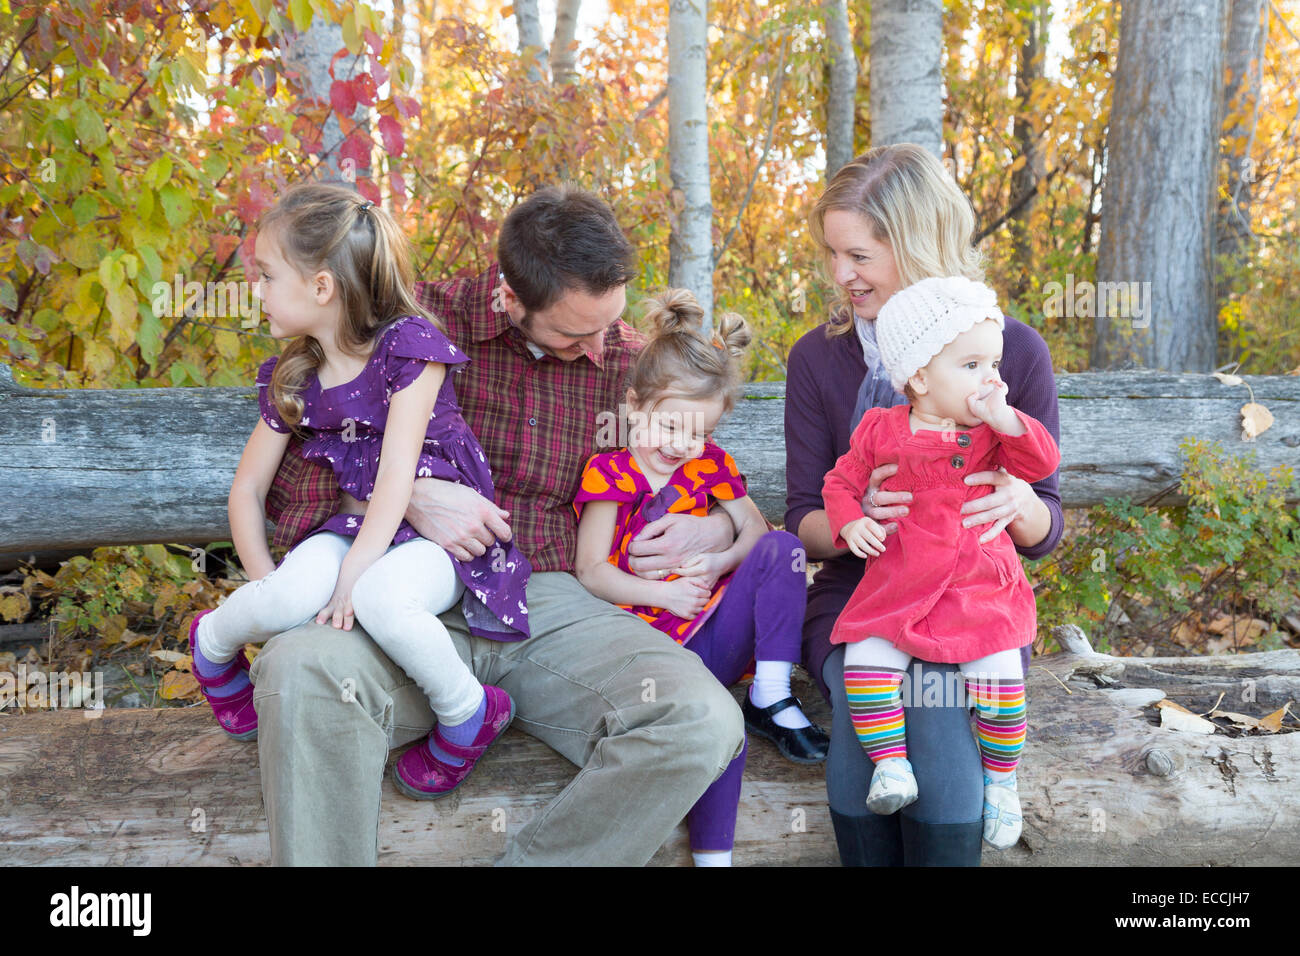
x: 1255, y: 419
x: 176, y: 685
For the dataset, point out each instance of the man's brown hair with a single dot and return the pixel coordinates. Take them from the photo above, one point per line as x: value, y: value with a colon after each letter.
x: 559, y: 239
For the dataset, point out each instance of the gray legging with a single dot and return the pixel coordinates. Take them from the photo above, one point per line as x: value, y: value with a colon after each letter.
x: 944, y: 758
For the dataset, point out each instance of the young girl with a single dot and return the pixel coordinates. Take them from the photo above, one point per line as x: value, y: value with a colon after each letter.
x: 934, y: 591
x: 730, y: 607
x: 365, y: 379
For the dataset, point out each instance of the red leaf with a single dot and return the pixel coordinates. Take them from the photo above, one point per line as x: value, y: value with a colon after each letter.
x: 408, y: 106
x: 342, y: 97
x: 391, y: 133
x: 372, y: 38
x: 379, y: 71
x: 223, y: 246
x: 363, y: 87
x: 222, y: 115
x: 369, y: 190
x: 357, y: 148
x: 271, y: 133
x: 399, y: 186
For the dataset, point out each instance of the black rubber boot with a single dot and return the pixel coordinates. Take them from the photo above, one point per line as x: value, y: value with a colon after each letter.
x: 870, y: 840
x: 941, y: 844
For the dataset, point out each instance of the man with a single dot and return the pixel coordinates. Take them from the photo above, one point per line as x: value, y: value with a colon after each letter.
x: 642, y: 717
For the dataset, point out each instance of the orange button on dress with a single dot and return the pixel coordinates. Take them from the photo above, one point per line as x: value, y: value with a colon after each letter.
x: 935, y: 591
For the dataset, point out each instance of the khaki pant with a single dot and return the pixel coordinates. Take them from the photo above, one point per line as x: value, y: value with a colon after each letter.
x: 644, y: 719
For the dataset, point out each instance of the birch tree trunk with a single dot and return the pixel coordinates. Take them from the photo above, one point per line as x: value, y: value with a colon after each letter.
x: 843, y: 69
x: 1025, y: 180
x: 562, y: 54
x: 530, y: 35
x: 906, y: 79
x: 310, y: 54
x: 1157, y: 217
x: 1244, y: 65
x: 690, y: 258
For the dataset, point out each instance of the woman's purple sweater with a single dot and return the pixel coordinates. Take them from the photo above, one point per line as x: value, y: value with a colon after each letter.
x: 822, y: 378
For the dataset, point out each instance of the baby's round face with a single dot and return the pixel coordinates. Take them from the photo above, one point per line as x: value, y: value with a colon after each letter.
x: 968, y: 365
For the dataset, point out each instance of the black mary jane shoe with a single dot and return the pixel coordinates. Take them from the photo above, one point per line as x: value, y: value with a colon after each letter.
x: 801, y: 745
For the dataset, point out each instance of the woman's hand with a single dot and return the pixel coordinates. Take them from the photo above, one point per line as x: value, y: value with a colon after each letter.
x: 685, y: 597
x: 1012, y: 498
x: 883, y: 506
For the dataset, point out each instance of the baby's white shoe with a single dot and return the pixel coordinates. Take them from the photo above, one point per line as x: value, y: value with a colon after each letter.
x: 1002, y: 818
x: 893, y: 786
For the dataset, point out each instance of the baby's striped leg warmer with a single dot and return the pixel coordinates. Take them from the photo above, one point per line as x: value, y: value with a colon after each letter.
x: 1000, y: 719
x: 873, y: 677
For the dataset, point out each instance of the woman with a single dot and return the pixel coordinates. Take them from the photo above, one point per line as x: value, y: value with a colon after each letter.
x: 892, y: 217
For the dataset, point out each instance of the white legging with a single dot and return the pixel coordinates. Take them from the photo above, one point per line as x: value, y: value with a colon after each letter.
x: 397, y: 600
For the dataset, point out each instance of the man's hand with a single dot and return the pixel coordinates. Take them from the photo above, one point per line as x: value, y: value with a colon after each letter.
x: 674, y: 539
x: 456, y: 517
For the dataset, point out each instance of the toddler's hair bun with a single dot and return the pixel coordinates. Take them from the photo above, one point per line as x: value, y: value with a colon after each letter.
x: 673, y: 312
x: 733, y: 333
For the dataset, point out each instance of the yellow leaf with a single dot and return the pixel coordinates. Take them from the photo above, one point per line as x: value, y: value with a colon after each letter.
x: 167, y: 657
x: 1255, y: 419
x: 1273, y: 722
x: 15, y: 607
x: 176, y: 685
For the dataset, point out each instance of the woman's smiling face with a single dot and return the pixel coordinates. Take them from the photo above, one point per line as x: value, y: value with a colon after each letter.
x: 859, y: 263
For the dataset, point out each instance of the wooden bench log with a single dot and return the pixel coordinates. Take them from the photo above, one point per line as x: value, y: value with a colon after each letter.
x: 130, y: 466
x: 1102, y: 784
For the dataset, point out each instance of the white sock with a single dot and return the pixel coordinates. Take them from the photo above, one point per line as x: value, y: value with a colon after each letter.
x: 712, y: 858
x: 1002, y: 777
x: 772, y: 683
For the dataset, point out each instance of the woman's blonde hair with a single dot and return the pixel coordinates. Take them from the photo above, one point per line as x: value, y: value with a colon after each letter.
x: 680, y: 361
x: 911, y: 204
x: 325, y: 226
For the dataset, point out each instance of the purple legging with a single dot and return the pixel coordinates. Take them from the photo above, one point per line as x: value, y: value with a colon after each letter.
x: 759, y: 617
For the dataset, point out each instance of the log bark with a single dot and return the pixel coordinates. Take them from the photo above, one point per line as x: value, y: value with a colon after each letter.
x: 1101, y: 783
x: 100, y: 466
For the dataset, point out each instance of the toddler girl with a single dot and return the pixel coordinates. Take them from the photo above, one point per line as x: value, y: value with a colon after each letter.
x: 365, y: 380
x: 728, y: 607
x: 933, y: 590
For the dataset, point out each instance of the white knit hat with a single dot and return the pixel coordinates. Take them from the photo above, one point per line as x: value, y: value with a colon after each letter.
x: 915, y: 323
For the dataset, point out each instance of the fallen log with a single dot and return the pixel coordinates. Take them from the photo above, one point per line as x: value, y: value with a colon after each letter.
x: 1102, y: 783
x: 133, y: 466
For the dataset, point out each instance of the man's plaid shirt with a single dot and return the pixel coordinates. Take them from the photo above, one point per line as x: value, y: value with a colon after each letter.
x: 538, y: 419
